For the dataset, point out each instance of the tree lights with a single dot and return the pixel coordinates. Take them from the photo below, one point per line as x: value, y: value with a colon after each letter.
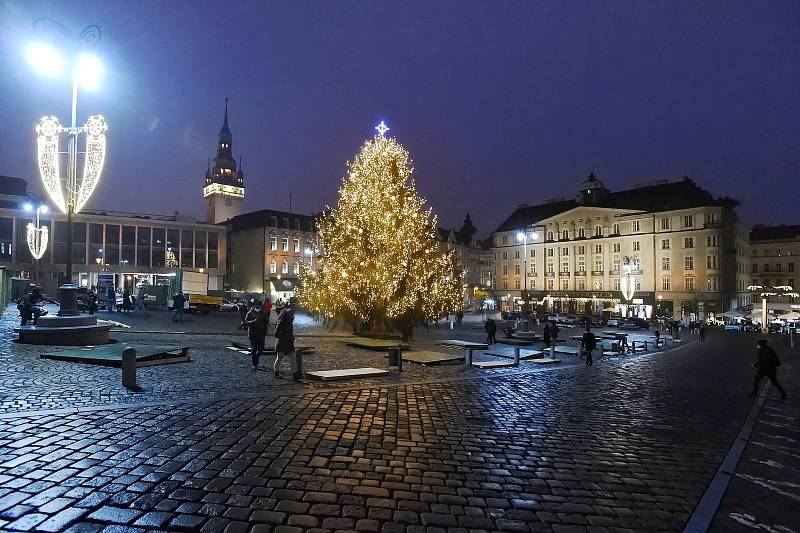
x: 378, y: 253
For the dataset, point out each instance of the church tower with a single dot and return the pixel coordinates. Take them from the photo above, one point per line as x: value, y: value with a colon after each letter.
x: 224, y: 185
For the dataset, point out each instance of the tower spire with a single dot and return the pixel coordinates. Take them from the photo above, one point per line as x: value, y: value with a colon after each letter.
x: 225, y: 123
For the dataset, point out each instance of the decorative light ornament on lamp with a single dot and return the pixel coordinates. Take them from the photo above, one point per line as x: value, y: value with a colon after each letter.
x: 626, y: 282
x: 37, y: 236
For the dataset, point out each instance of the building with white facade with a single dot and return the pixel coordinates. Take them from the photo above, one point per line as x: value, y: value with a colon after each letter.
x: 681, y: 251
x: 774, y: 260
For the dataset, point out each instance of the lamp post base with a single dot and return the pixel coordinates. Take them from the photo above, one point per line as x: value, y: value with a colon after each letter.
x: 68, y: 300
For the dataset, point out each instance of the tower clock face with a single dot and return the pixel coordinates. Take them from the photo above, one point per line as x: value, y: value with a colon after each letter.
x: 228, y: 202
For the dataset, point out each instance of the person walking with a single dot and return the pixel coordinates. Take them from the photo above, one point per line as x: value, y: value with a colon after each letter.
x: 141, y: 296
x: 284, y: 347
x: 588, y: 345
x: 766, y: 366
x: 491, y: 330
x: 257, y: 327
x: 658, y: 337
x: 177, y: 304
x: 553, y: 340
x: 111, y: 297
x: 126, y: 302
x: 92, y: 302
x: 546, y: 334
x: 702, y: 332
x: 267, y: 307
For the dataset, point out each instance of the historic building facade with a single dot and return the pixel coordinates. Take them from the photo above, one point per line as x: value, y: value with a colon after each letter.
x: 224, y: 183
x: 266, y: 249
x: 467, y: 256
x: 774, y: 260
x: 660, y: 249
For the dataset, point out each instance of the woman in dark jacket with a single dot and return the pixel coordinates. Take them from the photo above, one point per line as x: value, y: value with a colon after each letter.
x: 284, y: 332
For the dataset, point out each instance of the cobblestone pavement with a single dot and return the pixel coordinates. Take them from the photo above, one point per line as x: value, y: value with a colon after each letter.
x: 767, y: 480
x: 627, y: 445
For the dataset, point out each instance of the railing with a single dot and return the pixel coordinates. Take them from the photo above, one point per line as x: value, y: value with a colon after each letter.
x: 597, y: 272
x: 580, y: 273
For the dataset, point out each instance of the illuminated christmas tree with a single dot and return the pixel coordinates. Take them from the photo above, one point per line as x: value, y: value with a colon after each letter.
x: 379, y: 259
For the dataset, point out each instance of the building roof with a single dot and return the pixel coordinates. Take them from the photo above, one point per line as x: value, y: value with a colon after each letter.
x: 661, y: 196
x: 762, y: 232
x: 264, y: 219
x: 13, y: 186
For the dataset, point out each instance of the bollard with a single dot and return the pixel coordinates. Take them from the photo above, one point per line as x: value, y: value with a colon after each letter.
x: 516, y: 355
x: 298, y: 364
x: 469, y: 357
x: 129, y: 368
x: 399, y: 357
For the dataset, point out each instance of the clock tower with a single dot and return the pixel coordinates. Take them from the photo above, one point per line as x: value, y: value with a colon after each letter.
x: 224, y: 183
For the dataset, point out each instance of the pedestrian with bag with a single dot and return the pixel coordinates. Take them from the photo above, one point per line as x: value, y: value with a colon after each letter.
x: 767, y: 366
x: 284, y: 347
x: 588, y: 345
x: 257, y: 327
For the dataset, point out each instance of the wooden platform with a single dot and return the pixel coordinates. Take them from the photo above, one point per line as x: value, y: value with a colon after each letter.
x: 457, y: 343
x: 492, y: 364
x: 432, y: 358
x: 346, y: 373
x: 516, y: 342
x: 111, y: 354
x: 378, y: 345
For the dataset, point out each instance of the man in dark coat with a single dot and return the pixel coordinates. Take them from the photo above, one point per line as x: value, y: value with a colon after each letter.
x: 766, y: 365
x: 588, y: 345
x: 284, y: 332
x: 491, y: 329
x: 546, y: 334
x: 256, y: 321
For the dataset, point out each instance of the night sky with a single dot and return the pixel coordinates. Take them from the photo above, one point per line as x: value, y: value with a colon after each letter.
x: 499, y: 103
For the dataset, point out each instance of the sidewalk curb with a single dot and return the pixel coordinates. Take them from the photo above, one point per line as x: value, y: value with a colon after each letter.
x: 703, y: 515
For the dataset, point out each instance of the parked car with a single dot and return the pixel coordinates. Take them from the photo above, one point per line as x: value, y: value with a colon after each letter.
x: 635, y: 322
x: 733, y: 327
x: 615, y: 322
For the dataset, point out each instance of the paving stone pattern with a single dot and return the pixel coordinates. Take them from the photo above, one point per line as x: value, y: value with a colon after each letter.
x: 627, y: 446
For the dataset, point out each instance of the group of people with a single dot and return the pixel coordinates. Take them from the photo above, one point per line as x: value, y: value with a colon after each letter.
x: 256, y: 321
x: 28, y: 306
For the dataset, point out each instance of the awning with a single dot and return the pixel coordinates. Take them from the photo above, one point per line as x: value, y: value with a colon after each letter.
x: 284, y: 284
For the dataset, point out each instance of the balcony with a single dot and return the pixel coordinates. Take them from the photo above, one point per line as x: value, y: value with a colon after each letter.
x: 549, y: 274
x: 581, y: 273
x: 614, y: 272
x: 597, y: 272
x: 564, y: 273
x: 712, y: 225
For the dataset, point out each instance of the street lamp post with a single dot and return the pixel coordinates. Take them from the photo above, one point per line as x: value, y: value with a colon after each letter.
x: 522, y: 236
x: 86, y: 70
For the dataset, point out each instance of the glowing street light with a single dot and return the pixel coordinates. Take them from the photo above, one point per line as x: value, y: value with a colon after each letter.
x: 522, y: 236
x: 86, y: 71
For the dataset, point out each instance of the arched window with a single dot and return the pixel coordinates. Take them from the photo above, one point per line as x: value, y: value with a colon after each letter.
x: 564, y: 235
x: 296, y: 268
x: 581, y: 233
x: 598, y: 231
x: 273, y: 267
x: 549, y: 235
x: 285, y: 268
x: 616, y: 229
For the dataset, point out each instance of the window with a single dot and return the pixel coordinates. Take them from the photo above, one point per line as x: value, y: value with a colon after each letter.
x: 712, y: 262
x: 505, y: 239
x: 285, y: 268
x: 565, y: 251
x: 635, y: 225
x: 533, y: 284
x: 505, y: 284
x: 516, y: 283
x: 777, y: 267
x: 505, y: 255
x: 616, y: 229
x: 712, y: 284
x: 581, y: 233
x: 688, y: 242
x: 754, y: 268
x: 635, y: 246
x: 505, y: 269
x: 273, y: 267
x: 549, y: 235
x: 598, y: 248
x: 598, y: 284
x: 688, y: 221
x: 688, y: 262
x: 550, y: 267
x: 666, y: 284
x: 273, y: 243
x: 598, y: 264
x: 665, y: 223
x: 516, y: 254
x: 550, y: 252
x: 564, y: 235
x: 533, y: 252
x: 665, y: 244
x: 516, y: 269
x: 615, y: 247
x: 791, y: 267
x: 665, y: 263
x: 285, y: 244
x: 581, y: 284
x: 296, y: 268
x: 615, y: 264
x: 564, y: 284
x: 550, y: 284
x: 598, y: 231
x: 296, y: 245
x: 615, y: 284
x: 688, y: 283
x: 581, y: 250
x: 712, y: 241
x: 565, y: 265
x: 581, y: 265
